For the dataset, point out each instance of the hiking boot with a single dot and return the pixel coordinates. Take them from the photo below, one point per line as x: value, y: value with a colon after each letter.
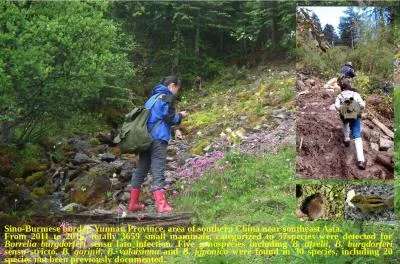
x: 361, y: 165
x: 161, y: 202
x: 134, y: 204
x: 346, y: 143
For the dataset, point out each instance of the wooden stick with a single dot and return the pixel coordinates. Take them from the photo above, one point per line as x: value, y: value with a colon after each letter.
x: 301, y: 143
x: 386, y: 130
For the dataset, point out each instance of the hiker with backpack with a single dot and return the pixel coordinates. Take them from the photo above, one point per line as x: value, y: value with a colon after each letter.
x: 162, y: 117
x: 348, y: 70
x: 350, y: 105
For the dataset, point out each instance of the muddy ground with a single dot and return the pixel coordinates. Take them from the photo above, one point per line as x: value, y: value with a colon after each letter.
x: 321, y: 153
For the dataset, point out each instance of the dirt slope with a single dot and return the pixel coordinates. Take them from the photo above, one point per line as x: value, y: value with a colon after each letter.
x: 321, y: 153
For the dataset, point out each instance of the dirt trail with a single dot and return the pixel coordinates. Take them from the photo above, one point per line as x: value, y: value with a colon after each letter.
x: 321, y: 153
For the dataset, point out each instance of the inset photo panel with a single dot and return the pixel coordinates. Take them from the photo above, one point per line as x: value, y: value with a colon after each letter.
x: 370, y: 202
x: 344, y: 84
x: 319, y: 202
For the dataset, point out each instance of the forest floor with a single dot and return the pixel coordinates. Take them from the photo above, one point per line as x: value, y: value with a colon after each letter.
x: 321, y: 153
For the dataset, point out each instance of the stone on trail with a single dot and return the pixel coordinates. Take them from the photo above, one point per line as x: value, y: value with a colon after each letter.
x: 374, y: 146
x: 81, y: 158
x: 311, y: 82
x: 73, y: 208
x: 107, y: 157
x: 385, y: 144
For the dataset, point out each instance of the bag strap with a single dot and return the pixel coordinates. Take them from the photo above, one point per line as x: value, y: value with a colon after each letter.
x: 156, y: 97
x: 155, y: 126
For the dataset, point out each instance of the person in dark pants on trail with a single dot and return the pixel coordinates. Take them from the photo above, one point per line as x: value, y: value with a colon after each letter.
x: 164, y: 116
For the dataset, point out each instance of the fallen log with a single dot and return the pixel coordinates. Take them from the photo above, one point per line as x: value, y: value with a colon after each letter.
x: 385, y: 161
x: 379, y: 124
x: 137, y: 219
x: 386, y: 130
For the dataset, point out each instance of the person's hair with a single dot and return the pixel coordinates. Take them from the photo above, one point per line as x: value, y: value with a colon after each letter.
x: 170, y: 79
x: 346, y: 86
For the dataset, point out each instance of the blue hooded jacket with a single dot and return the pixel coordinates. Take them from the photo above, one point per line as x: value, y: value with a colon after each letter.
x: 164, y: 110
x: 348, y: 71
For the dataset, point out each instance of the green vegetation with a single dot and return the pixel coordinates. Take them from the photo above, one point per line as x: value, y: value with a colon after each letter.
x: 246, y: 194
x: 247, y: 188
x: 59, y: 59
x: 220, y: 110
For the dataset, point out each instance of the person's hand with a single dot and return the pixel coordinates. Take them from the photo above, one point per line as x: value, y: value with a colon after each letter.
x: 183, y: 113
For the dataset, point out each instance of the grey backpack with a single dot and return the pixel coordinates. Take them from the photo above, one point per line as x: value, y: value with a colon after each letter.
x: 349, y: 109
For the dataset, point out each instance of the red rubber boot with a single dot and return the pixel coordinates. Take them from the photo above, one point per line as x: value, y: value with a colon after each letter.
x: 134, y: 204
x: 161, y: 202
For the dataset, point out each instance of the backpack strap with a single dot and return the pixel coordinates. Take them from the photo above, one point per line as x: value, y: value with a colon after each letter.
x: 343, y: 98
x: 155, y: 98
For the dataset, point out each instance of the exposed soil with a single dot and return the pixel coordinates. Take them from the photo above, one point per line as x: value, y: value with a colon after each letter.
x: 321, y: 153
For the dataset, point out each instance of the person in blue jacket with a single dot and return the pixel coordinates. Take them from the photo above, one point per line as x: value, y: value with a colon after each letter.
x: 162, y: 117
x: 348, y: 70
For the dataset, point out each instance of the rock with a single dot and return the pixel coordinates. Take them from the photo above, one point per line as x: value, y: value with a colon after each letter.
x: 148, y: 202
x: 90, y: 189
x: 14, y: 196
x: 116, y: 194
x: 242, y: 118
x: 284, y: 73
x: 374, y: 146
x: 170, y: 180
x: 80, y: 145
x: 125, y: 175
x: 332, y: 107
x: 375, y: 136
x: 310, y: 82
x: 390, y: 151
x: 79, y: 171
x: 280, y: 116
x: 118, y: 164
x: 206, y: 149
x: 80, y: 158
x: 37, y: 176
x: 329, y: 91
x: 105, y: 138
x: 125, y: 196
x: 98, y: 149
x: 73, y: 208
x: 385, y: 144
x: 172, y: 150
x: 116, y: 184
x: 107, y: 157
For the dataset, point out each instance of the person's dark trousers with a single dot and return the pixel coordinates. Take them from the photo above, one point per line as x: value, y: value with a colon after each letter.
x: 154, y: 158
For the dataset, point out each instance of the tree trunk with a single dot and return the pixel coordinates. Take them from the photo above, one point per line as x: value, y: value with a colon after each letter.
x: 177, y: 48
x: 221, y: 40
x: 7, y: 132
x: 197, y: 38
